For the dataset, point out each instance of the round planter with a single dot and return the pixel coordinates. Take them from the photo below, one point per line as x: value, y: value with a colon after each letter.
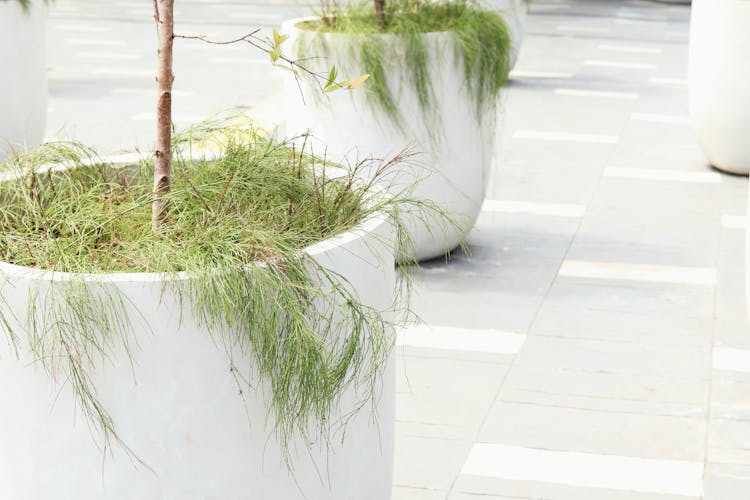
x: 455, y: 151
x: 23, y: 88
x: 177, y: 406
x: 719, y: 79
x: 514, y: 13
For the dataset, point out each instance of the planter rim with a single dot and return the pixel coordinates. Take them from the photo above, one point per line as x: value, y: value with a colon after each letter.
x: 367, y: 226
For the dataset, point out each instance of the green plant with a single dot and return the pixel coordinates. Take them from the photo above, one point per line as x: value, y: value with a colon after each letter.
x: 261, y: 201
x: 482, y: 47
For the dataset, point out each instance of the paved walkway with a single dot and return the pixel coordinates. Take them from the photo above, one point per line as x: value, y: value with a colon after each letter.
x: 595, y: 345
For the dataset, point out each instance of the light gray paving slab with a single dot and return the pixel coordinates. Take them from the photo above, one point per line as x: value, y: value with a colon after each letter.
x: 464, y: 431
x: 406, y: 493
x: 595, y: 431
x: 729, y: 441
x: 730, y: 396
x: 660, y: 198
x: 727, y: 482
x: 475, y: 488
x: 439, y: 416
x: 672, y: 301
x: 604, y: 391
x: 652, y: 360
x: 617, y: 227
x: 410, y: 352
x: 502, y: 311
x: 428, y: 463
x: 472, y: 496
x: 572, y: 319
x: 449, y: 378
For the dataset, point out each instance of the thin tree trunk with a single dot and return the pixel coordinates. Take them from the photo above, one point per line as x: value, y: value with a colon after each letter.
x: 380, y: 13
x: 164, y: 17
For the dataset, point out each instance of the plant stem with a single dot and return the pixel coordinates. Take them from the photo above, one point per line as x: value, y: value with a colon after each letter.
x: 164, y: 17
x: 380, y: 12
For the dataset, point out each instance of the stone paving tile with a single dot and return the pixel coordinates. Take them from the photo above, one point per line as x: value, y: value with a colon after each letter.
x: 593, y: 248
x: 729, y: 441
x: 733, y: 332
x: 684, y: 156
x: 730, y: 396
x: 519, y: 174
x: 472, y: 496
x: 445, y: 398
x: 662, y: 198
x: 670, y: 301
x: 731, y: 303
x: 462, y: 415
x: 501, y: 311
x: 474, y: 488
x: 570, y: 320
x: 604, y: 391
x: 568, y: 113
x: 589, y: 431
x: 680, y: 230
x: 726, y: 482
x: 464, y: 431
x: 544, y: 238
x: 411, y: 352
x: 405, y: 493
x: 449, y: 378
x: 428, y: 463
x: 651, y: 360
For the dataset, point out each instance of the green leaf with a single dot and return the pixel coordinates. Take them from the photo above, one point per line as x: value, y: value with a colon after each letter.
x: 278, y: 38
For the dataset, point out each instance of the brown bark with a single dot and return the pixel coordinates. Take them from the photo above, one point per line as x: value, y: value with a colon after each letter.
x: 380, y: 13
x: 164, y: 17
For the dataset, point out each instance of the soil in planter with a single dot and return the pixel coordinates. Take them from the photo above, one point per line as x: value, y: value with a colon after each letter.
x: 482, y: 47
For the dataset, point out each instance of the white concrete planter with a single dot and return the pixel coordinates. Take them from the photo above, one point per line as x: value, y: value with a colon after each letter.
x: 453, y: 167
x: 178, y: 408
x: 514, y: 12
x: 23, y: 84
x: 719, y: 81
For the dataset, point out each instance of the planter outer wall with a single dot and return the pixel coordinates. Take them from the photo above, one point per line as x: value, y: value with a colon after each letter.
x: 23, y: 85
x: 454, y: 159
x: 719, y: 81
x: 179, y: 409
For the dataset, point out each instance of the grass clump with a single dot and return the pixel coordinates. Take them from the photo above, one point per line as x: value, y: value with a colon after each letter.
x: 260, y: 201
x: 481, y: 43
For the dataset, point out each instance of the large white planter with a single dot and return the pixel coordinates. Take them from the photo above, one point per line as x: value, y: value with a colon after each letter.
x: 453, y: 166
x: 23, y: 84
x: 177, y: 406
x: 719, y: 81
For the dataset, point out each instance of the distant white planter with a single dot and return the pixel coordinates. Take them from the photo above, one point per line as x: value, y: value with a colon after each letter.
x: 177, y: 406
x: 23, y: 84
x: 514, y: 13
x: 719, y: 81
x: 457, y: 149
